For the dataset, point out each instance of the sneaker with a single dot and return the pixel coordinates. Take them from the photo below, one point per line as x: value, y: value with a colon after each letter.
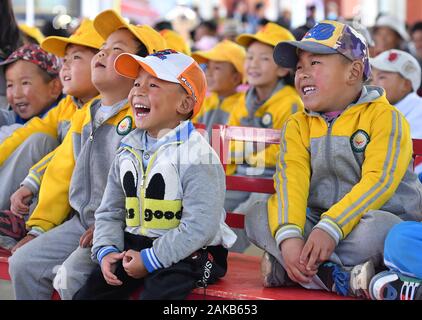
x: 273, y: 273
x: 12, y: 229
x: 345, y: 281
x: 390, y: 285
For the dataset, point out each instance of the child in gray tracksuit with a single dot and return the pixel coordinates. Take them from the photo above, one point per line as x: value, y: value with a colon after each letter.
x: 161, y: 220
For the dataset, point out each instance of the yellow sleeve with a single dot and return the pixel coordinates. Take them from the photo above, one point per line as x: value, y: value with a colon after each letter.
x: 47, y: 125
x: 53, y: 201
x: 287, y: 208
x: 387, y: 157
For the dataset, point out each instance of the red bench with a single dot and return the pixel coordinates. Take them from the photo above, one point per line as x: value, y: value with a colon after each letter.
x: 243, y: 281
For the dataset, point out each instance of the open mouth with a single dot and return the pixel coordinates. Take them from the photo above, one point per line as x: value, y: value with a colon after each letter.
x: 141, y: 110
x: 99, y: 65
x: 308, y: 90
x: 67, y: 78
x: 22, y: 107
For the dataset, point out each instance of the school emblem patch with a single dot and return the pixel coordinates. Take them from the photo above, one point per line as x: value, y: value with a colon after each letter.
x: 359, y: 140
x: 124, y: 126
x: 267, y: 120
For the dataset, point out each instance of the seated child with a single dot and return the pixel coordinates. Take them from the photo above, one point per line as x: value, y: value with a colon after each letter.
x: 402, y: 255
x: 62, y: 224
x: 224, y: 73
x: 161, y: 220
x: 269, y: 101
x: 344, y: 175
x: 29, y: 147
x: 32, y: 86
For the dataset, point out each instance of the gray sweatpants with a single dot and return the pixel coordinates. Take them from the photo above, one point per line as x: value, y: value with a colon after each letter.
x: 365, y: 242
x: 17, y: 166
x: 52, y: 256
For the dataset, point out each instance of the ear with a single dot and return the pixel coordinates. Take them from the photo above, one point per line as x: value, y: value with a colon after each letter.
x: 55, y: 88
x: 355, y: 72
x: 237, y: 78
x: 282, y: 72
x: 186, y: 105
x: 408, y: 85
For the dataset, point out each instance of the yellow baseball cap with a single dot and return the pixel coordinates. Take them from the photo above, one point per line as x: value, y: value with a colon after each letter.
x: 109, y: 21
x: 175, y: 41
x: 225, y: 51
x: 85, y: 36
x: 270, y: 34
x: 33, y: 32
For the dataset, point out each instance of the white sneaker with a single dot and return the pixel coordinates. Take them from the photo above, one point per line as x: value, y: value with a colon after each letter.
x: 360, y: 277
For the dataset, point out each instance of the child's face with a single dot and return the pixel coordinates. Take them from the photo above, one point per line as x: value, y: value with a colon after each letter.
x: 396, y: 87
x: 321, y: 80
x: 260, y: 68
x: 27, y: 90
x: 222, y: 78
x: 75, y: 74
x: 386, y: 39
x: 104, y: 76
x: 154, y: 103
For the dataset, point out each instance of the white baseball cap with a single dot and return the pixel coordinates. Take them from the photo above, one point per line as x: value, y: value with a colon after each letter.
x: 167, y: 65
x: 400, y: 62
x: 394, y: 24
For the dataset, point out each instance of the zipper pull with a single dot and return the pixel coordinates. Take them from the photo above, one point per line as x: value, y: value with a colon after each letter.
x: 91, y: 136
x: 143, y: 181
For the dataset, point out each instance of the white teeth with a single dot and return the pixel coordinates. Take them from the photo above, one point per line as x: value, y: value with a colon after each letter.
x: 66, y: 78
x: 309, y: 89
x: 141, y: 106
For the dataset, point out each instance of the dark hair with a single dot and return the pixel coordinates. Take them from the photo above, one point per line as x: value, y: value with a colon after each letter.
x: 163, y: 25
x: 9, y: 32
x: 416, y: 27
x: 289, y: 79
x: 142, y: 50
x: 211, y: 25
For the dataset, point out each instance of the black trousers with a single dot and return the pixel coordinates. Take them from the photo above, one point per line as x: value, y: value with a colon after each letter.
x: 203, y: 267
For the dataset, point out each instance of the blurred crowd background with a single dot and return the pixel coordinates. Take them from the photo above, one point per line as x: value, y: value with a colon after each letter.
x: 386, y: 24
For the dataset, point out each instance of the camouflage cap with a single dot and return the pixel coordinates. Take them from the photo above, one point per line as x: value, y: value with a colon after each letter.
x: 327, y: 37
x: 34, y: 54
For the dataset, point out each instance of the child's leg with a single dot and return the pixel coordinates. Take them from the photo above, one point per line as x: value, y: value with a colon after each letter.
x: 96, y: 288
x: 16, y: 167
x: 366, y: 241
x: 177, y: 281
x: 258, y: 231
x: 33, y: 266
x: 356, y: 256
x: 74, y: 272
x: 402, y: 254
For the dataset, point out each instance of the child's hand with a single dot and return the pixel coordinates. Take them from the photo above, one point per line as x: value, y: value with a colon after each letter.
x: 19, y: 201
x: 108, y: 267
x: 86, y: 239
x: 290, y: 251
x: 318, y: 248
x: 134, y: 265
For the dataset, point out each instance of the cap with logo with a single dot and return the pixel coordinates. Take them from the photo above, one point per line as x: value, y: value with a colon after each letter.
x: 167, y: 65
x: 326, y: 37
x: 85, y: 36
x: 400, y: 62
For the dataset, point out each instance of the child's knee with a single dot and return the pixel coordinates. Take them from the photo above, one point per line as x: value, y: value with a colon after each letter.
x: 19, y: 262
